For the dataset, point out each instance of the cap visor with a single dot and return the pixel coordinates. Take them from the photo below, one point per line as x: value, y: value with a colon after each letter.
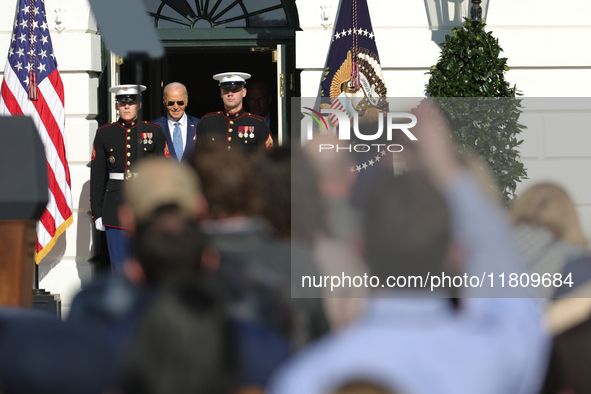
x: 231, y: 85
x: 126, y: 98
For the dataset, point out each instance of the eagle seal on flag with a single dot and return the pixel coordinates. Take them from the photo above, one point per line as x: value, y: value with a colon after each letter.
x: 352, y: 81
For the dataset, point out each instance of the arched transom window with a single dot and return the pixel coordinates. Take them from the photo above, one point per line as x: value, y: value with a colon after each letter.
x: 217, y: 13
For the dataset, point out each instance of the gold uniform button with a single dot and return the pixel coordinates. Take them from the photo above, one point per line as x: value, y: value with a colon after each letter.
x: 128, y: 154
x: 110, y: 150
x: 229, y: 147
x: 229, y: 138
x: 213, y: 139
x: 245, y: 142
x: 128, y: 163
x: 231, y: 122
x: 129, y: 146
x: 230, y: 130
x: 128, y: 130
x: 145, y: 148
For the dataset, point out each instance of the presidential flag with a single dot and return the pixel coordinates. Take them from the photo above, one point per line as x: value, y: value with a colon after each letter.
x: 33, y: 87
x: 352, y: 81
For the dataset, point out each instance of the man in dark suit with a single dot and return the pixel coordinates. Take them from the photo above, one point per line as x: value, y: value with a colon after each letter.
x: 259, y: 100
x: 179, y: 127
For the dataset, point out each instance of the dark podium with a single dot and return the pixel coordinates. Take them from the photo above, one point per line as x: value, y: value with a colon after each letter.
x: 23, y: 197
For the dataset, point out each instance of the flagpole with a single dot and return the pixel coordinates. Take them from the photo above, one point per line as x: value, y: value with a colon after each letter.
x: 36, y: 282
x: 138, y: 58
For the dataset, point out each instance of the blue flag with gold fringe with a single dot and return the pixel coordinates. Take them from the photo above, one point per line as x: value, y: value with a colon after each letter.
x: 352, y: 81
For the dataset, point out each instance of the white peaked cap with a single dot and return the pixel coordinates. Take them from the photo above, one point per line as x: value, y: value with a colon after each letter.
x: 126, y: 90
x: 231, y: 77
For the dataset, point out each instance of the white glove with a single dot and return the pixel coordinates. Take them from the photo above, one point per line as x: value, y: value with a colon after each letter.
x: 99, y: 224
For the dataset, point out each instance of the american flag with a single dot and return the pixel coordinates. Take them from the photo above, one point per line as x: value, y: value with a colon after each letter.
x: 33, y: 87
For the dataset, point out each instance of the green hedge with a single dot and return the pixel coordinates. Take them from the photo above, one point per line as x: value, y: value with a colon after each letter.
x: 469, y: 83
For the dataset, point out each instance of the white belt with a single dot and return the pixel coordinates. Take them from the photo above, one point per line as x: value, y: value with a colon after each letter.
x: 120, y: 176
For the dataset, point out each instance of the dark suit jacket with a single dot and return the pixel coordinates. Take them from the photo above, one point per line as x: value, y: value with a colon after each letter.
x: 191, y: 136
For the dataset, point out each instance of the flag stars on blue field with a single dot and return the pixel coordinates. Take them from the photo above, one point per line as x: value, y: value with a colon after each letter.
x: 31, y: 34
x: 364, y: 166
x: 359, y: 32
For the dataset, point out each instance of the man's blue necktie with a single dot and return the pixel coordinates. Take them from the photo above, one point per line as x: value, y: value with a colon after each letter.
x: 177, y: 140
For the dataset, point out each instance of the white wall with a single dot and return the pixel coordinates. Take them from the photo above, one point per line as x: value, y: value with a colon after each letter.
x: 77, y: 50
x: 546, y: 44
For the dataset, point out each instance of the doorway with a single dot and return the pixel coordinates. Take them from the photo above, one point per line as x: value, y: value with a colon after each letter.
x: 195, y: 68
x: 206, y: 38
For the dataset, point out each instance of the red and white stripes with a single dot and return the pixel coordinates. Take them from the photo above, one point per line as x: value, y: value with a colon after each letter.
x: 48, y: 115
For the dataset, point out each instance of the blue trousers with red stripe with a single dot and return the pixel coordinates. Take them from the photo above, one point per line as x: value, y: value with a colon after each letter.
x: 119, y: 244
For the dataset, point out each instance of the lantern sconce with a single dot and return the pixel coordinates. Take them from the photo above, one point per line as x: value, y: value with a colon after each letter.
x: 60, y: 18
x: 445, y: 14
x: 325, y: 15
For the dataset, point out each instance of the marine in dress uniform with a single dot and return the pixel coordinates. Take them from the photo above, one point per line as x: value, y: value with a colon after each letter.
x: 116, y: 149
x: 233, y: 126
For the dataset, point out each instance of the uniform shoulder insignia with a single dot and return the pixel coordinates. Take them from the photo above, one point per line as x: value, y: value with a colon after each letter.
x: 106, y: 125
x: 256, y: 116
x: 269, y: 142
x: 212, y: 114
x: 151, y: 124
x: 166, y: 151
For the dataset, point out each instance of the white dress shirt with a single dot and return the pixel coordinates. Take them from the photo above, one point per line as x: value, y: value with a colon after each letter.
x: 183, y: 125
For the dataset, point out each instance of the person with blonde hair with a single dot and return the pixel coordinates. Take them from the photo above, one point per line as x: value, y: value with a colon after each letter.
x: 548, y: 205
x: 548, y: 232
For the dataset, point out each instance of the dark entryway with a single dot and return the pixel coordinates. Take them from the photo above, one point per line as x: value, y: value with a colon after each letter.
x: 195, y: 69
x: 203, y: 39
